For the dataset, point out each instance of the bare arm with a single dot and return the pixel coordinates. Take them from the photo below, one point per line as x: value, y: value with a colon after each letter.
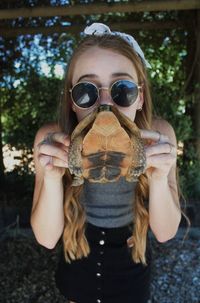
x: 50, y: 158
x: 164, y: 208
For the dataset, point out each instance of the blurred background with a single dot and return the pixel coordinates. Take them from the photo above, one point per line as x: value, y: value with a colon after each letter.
x: 37, y: 39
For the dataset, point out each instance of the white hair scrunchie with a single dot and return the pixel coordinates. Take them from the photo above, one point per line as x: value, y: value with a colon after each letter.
x: 100, y: 29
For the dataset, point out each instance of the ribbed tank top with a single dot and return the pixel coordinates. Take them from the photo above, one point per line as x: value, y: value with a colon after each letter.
x: 109, y: 204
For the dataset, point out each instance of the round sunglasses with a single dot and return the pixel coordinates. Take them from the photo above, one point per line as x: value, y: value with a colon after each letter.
x: 123, y: 92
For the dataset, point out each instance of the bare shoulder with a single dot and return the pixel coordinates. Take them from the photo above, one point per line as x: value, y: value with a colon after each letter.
x: 44, y: 130
x: 164, y: 127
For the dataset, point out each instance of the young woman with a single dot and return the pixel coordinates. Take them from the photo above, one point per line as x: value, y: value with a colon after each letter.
x: 105, y: 226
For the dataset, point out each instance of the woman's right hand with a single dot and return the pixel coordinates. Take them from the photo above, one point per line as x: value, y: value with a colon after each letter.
x: 52, y: 154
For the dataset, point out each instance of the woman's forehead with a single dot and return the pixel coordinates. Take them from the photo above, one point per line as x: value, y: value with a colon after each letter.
x: 101, y: 62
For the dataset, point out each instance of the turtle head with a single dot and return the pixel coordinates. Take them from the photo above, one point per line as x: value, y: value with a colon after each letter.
x: 105, y: 107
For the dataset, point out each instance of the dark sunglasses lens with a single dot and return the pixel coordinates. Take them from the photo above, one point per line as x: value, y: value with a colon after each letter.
x: 124, y: 92
x: 84, y: 94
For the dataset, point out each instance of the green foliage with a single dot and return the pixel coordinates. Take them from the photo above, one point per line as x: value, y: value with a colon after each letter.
x: 34, y: 103
x: 29, y: 95
x: 167, y: 78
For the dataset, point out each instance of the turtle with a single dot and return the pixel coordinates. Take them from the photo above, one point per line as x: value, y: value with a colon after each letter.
x: 105, y: 146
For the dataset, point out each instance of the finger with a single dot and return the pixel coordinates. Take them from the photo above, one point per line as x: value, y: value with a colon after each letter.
x: 173, y: 149
x: 45, y: 160
x: 54, y: 151
x: 153, y: 135
x: 53, y: 161
x: 62, y: 146
x: 162, y: 160
x: 160, y: 148
x: 65, y: 148
x: 61, y: 138
x: 48, y: 141
x: 56, y: 137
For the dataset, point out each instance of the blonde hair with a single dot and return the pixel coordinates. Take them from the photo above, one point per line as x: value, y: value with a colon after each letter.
x: 75, y: 242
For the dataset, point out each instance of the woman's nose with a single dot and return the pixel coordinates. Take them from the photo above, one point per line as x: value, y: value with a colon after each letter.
x: 105, y: 96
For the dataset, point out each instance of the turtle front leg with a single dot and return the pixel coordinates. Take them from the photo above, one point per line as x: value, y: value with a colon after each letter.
x: 138, y: 164
x: 75, y: 160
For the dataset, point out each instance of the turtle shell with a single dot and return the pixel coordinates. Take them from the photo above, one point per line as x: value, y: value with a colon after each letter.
x: 105, y: 146
x: 106, y: 149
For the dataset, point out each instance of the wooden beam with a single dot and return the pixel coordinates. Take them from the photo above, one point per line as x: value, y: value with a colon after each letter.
x: 98, y: 8
x: 74, y: 29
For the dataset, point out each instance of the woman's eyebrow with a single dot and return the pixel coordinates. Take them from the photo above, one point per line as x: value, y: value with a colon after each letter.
x: 120, y: 74
x: 87, y: 76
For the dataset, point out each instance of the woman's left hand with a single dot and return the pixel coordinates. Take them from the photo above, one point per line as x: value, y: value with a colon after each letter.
x: 161, y: 154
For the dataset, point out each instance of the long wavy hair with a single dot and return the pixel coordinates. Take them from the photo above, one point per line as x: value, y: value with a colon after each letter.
x: 75, y: 242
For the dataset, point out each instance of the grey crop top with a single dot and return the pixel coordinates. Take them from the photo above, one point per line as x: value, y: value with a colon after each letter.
x: 110, y: 204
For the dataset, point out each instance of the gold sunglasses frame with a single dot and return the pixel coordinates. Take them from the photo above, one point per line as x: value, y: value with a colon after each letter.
x: 98, y: 89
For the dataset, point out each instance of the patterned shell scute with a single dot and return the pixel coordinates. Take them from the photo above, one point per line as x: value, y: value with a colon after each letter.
x: 112, y: 148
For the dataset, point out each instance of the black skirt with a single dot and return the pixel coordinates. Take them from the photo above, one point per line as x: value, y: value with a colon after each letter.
x: 108, y: 274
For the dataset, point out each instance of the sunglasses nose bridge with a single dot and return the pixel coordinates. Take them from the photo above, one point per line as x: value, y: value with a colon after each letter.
x: 103, y: 88
x: 104, y: 95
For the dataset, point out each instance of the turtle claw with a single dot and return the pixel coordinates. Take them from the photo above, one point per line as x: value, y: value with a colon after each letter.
x: 77, y: 181
x: 131, y: 178
x: 134, y: 173
x: 78, y: 171
x: 75, y: 170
